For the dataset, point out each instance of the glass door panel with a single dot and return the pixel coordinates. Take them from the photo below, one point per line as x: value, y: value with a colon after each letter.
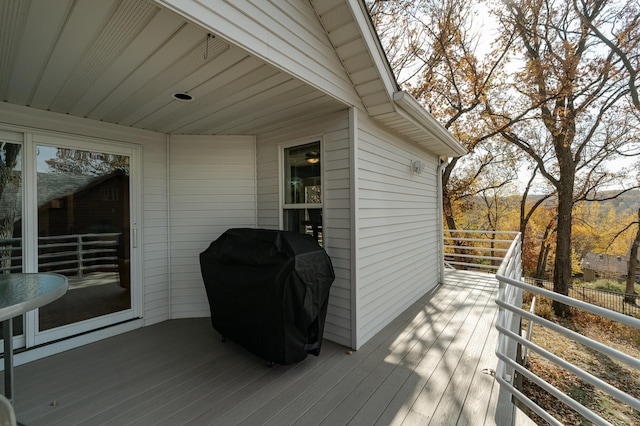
x: 83, y: 232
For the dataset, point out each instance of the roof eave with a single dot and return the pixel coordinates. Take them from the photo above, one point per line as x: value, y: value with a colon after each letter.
x: 421, y: 117
x: 401, y: 104
x: 372, y: 39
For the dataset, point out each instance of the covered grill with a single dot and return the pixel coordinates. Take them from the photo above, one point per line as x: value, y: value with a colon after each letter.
x: 268, y: 291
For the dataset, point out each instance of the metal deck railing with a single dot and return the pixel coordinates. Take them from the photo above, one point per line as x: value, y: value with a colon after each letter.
x: 75, y: 254
x: 509, y: 300
x: 476, y: 249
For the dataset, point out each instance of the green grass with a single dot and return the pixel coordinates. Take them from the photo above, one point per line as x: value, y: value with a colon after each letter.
x: 610, y: 285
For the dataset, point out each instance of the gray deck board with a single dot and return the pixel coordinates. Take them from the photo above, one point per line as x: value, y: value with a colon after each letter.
x: 450, y: 408
x: 402, y: 327
x: 426, y: 367
x: 477, y: 401
x: 361, y: 382
x: 426, y: 384
x: 397, y: 363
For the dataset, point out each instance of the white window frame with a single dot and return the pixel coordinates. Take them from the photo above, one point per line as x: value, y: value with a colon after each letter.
x: 282, y: 183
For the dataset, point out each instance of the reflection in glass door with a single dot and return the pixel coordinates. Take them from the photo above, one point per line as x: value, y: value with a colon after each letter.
x: 83, y: 232
x: 11, y: 210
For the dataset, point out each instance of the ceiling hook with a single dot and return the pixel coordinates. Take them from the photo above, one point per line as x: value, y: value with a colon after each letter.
x: 206, y: 51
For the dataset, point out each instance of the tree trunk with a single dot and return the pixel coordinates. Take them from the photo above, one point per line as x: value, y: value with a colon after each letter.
x: 630, y: 291
x: 544, y: 252
x: 542, y: 265
x: 447, y: 208
x: 447, y: 205
x: 562, y: 263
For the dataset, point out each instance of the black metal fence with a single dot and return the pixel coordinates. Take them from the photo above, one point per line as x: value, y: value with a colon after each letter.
x: 612, y: 300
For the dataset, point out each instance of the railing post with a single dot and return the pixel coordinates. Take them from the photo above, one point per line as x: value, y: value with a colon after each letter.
x: 505, y: 408
x: 511, y: 266
x: 79, y: 255
x: 532, y: 309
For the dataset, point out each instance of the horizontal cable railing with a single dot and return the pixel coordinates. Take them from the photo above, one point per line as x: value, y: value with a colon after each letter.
x: 74, y: 254
x: 475, y: 249
x: 511, y: 287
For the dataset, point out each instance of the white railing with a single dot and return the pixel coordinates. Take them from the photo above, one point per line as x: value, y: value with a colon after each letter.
x: 476, y: 250
x: 509, y: 301
x: 75, y: 254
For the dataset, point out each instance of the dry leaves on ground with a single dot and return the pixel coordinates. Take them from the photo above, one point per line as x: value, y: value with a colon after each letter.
x: 617, y: 374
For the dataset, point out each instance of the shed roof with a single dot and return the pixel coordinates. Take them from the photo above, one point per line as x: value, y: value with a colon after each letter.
x: 605, y: 263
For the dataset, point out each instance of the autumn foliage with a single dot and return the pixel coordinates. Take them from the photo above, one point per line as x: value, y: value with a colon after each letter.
x: 543, y: 95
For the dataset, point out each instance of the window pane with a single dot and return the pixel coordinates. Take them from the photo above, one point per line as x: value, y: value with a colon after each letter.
x: 83, y: 232
x: 304, y: 221
x: 302, y: 174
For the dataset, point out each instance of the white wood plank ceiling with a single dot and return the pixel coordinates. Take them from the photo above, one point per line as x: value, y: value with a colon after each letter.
x: 120, y: 61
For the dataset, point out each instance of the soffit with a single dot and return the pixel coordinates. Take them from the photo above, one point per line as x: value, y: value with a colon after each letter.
x: 358, y: 52
x: 119, y: 61
x: 352, y: 34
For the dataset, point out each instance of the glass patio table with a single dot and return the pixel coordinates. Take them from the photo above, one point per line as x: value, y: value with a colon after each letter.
x: 20, y: 293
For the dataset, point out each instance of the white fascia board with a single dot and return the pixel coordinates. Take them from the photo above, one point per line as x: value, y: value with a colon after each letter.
x: 421, y: 117
x: 378, y: 55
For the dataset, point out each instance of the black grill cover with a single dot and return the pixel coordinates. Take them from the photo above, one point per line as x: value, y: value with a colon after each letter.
x: 268, y: 291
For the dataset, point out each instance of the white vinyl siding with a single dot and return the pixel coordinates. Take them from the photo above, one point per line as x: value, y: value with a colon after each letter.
x: 285, y: 33
x: 397, y: 227
x: 333, y: 132
x: 213, y: 187
x: 155, y: 233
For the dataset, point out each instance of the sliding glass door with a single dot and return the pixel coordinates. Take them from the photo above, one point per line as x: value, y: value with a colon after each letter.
x: 84, y: 228
x: 68, y: 206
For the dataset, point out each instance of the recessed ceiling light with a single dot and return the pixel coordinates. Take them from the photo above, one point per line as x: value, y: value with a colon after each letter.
x: 182, y: 96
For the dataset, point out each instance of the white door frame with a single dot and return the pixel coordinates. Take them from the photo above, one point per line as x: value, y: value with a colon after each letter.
x: 30, y: 231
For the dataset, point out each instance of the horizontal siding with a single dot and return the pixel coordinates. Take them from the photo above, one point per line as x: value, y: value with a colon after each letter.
x: 333, y: 129
x: 286, y: 34
x: 213, y: 188
x: 156, y: 233
x: 397, y: 227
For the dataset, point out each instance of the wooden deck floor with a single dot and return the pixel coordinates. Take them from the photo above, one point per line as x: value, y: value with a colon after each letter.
x: 428, y: 367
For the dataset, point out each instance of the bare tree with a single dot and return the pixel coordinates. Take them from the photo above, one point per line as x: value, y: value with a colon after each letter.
x: 525, y: 215
x: 632, y: 265
x: 577, y: 92
x: 620, y: 33
x: 432, y: 46
x: 88, y: 163
x: 545, y: 247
